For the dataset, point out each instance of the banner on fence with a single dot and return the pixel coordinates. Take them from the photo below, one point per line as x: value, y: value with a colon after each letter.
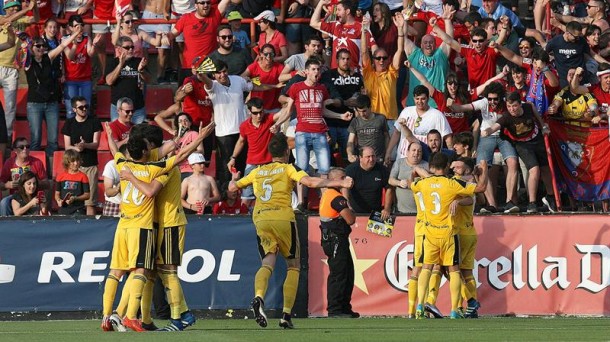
x: 580, y: 155
x: 540, y: 265
x: 61, y: 264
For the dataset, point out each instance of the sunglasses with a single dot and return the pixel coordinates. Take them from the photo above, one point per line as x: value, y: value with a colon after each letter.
x: 130, y: 47
x: 417, y: 121
x: 257, y: 112
x: 591, y: 6
x: 39, y: 46
x: 493, y: 99
x: 228, y: 36
x: 128, y: 111
x: 478, y: 40
x: 524, y: 47
x: 78, y: 24
x: 451, y: 82
x: 129, y: 21
x: 269, y: 54
x: 22, y: 147
x: 381, y: 58
x: 83, y: 107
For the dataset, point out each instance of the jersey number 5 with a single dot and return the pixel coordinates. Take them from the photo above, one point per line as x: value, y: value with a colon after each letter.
x: 267, y: 190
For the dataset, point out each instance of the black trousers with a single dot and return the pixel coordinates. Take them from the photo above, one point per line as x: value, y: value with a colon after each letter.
x: 340, y: 282
x: 225, y: 146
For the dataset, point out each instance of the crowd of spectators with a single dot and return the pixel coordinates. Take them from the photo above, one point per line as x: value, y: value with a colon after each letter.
x: 375, y: 86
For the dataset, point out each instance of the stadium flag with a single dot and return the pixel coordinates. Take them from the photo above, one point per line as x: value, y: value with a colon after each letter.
x: 580, y: 155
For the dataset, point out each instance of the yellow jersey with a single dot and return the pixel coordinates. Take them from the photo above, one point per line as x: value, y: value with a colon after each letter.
x: 168, y: 203
x: 137, y: 210
x: 273, y: 184
x: 419, y: 217
x: 437, y: 193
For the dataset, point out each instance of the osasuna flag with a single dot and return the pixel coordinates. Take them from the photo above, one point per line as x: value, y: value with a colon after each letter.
x: 581, y: 155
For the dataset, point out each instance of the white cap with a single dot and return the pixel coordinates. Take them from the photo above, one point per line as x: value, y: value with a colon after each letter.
x: 196, y: 158
x: 266, y: 15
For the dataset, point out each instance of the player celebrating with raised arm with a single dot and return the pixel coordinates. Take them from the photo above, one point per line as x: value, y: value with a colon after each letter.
x: 441, y: 243
x: 275, y: 222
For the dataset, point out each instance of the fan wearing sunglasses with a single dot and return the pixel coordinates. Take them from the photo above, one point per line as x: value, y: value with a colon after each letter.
x: 14, y: 167
x: 126, y: 75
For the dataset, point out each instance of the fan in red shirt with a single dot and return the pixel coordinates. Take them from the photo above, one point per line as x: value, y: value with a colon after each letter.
x: 345, y: 31
x: 268, y: 72
x: 199, y: 30
x: 230, y: 205
x: 122, y: 125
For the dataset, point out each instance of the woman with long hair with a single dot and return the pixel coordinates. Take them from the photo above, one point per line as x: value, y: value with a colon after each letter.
x: 129, y: 28
x: 186, y: 133
x: 268, y: 72
x: 384, y: 32
x: 29, y: 200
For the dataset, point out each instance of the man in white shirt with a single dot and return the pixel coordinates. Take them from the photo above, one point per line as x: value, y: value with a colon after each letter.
x: 420, y: 119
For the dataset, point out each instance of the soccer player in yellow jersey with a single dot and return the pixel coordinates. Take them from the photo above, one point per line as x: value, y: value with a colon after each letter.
x: 134, y: 243
x: 275, y: 222
x: 441, y: 243
x: 463, y: 209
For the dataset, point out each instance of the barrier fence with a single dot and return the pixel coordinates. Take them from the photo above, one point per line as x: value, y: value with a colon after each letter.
x: 535, y: 264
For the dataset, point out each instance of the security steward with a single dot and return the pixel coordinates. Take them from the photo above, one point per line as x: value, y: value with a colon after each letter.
x: 336, y: 219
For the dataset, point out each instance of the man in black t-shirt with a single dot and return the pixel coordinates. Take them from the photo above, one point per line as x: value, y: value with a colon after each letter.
x: 370, y: 178
x: 82, y: 133
x: 237, y: 59
x: 349, y: 83
x: 126, y: 76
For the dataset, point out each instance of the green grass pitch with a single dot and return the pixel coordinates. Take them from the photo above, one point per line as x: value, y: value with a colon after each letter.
x: 322, y: 329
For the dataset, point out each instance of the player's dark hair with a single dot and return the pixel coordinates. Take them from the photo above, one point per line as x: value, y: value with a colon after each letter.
x: 278, y: 145
x: 136, y: 147
x: 154, y: 135
x: 438, y: 161
x: 421, y: 90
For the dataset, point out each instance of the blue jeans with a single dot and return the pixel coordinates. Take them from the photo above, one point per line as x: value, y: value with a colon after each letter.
x: 74, y: 88
x: 138, y: 116
x: 6, y: 207
x: 304, y: 143
x: 49, y: 111
x: 338, y: 135
x: 487, y: 146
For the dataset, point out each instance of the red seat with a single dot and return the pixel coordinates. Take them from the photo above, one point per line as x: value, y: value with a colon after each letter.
x: 22, y: 129
x: 102, y: 104
x: 60, y: 137
x: 100, y: 193
x: 58, y: 167
x: 40, y: 155
x: 103, y: 157
x: 313, y: 202
x: 103, y: 146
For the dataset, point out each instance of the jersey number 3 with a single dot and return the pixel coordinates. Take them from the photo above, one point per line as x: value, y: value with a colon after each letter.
x: 436, y: 201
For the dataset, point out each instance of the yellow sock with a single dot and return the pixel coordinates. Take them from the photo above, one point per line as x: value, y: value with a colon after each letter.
x: 412, y: 295
x: 121, y: 309
x: 146, y: 303
x: 110, y: 287
x: 173, y: 289
x: 182, y: 307
x: 135, y: 295
x: 471, y: 288
x: 455, y: 285
x: 422, y: 284
x: 261, y: 280
x: 291, y: 284
x: 435, y: 283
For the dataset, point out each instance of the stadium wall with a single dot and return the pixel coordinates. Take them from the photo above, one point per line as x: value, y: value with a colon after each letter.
x: 526, y: 265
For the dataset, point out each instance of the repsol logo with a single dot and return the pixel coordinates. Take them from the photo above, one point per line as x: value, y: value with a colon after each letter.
x: 91, y: 265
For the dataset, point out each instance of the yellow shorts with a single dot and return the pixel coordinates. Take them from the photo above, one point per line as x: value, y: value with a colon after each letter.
x: 442, y: 251
x: 418, y: 259
x: 468, y: 247
x: 278, y: 236
x: 133, y: 248
x: 170, y: 245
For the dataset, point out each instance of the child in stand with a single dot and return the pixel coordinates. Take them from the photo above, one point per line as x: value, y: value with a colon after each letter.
x: 198, y: 191
x: 230, y: 204
x: 72, y: 186
x: 241, y: 38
